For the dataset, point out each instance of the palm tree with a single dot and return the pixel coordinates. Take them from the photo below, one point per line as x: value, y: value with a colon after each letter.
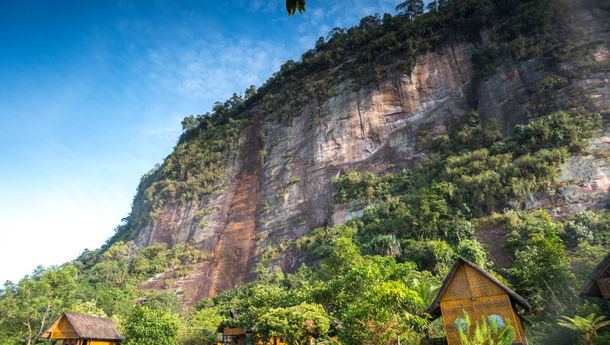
x: 425, y: 290
x: 586, y: 326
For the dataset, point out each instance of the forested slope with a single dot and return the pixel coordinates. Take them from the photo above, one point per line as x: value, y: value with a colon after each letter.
x: 343, y: 189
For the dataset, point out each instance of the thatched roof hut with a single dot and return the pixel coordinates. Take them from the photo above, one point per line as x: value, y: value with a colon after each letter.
x: 468, y: 287
x: 79, y: 329
x: 435, y: 309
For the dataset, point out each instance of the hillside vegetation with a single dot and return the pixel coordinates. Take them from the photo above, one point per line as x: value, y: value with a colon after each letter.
x: 374, y: 275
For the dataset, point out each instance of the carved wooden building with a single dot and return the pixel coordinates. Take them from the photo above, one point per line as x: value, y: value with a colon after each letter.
x: 78, y: 329
x: 598, y: 282
x: 470, y: 288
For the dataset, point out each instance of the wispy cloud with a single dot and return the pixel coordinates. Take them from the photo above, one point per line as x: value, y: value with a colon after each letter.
x: 168, y: 131
x: 214, y: 69
x: 318, y: 22
x: 266, y: 6
x: 104, y: 103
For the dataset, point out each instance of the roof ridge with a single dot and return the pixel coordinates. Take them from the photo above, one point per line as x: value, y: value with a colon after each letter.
x: 434, y: 308
x: 588, y: 284
x: 88, y: 326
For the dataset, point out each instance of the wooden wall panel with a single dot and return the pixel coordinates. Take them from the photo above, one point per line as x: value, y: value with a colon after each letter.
x: 480, y: 285
x: 458, y: 287
x: 64, y: 330
x: 480, y: 307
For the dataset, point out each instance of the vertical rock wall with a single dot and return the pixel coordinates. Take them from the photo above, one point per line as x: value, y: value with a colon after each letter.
x: 373, y: 129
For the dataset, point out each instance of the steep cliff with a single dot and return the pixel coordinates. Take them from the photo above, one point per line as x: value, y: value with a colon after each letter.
x: 267, y: 164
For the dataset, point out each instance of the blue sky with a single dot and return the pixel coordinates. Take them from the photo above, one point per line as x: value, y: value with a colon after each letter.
x: 93, y: 93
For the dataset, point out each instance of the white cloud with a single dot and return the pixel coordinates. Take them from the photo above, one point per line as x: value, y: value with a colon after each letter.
x: 266, y: 6
x: 180, y: 73
x: 214, y: 69
x: 211, y: 69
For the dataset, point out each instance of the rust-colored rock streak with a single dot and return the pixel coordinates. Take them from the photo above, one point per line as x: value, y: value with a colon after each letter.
x: 235, y: 251
x: 375, y: 128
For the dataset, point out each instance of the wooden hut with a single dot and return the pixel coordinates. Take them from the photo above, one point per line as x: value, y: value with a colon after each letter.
x: 598, y: 282
x: 470, y: 288
x: 237, y: 336
x: 78, y: 329
x: 230, y: 335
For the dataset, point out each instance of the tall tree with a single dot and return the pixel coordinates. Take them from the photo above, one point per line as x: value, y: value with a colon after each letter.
x: 28, y: 307
x: 295, y: 325
x: 146, y: 326
x: 411, y: 8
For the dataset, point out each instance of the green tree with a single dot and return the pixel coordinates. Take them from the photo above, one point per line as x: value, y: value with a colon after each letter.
x: 166, y: 300
x: 586, y: 327
x: 151, y: 327
x: 540, y: 270
x: 366, y: 291
x: 411, y: 8
x: 189, y: 122
x: 295, y: 325
x: 199, y: 326
x: 250, y: 92
x: 28, y: 307
x: 88, y: 307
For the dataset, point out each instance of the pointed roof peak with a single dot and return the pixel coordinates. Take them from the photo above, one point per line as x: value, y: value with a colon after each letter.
x: 435, y: 309
x: 590, y: 288
x: 88, y: 327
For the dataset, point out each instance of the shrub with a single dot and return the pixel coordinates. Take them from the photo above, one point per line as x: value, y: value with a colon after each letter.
x: 146, y: 326
x: 541, y: 267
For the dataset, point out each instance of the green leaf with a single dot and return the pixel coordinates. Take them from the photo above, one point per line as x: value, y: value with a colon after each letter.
x: 291, y: 6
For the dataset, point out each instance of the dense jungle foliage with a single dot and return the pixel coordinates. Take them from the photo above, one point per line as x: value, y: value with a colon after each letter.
x: 375, y: 274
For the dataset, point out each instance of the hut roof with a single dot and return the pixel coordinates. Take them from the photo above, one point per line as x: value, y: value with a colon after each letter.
x: 435, y: 309
x: 590, y: 288
x: 231, y: 314
x: 88, y: 327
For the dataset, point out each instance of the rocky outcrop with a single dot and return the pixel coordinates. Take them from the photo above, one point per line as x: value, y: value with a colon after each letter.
x: 371, y: 129
x: 586, y: 182
x: 284, y: 193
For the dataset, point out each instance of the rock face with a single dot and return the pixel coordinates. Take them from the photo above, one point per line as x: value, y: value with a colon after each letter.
x: 373, y: 129
x: 370, y: 129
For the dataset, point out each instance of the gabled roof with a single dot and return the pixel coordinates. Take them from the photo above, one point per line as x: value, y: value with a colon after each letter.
x: 88, y: 327
x: 231, y: 314
x: 435, y: 309
x: 590, y: 288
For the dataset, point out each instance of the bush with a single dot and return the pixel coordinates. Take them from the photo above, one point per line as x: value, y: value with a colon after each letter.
x: 386, y: 245
x: 541, y: 267
x: 166, y: 300
x: 576, y: 233
x: 473, y: 251
x: 151, y: 327
x: 434, y: 256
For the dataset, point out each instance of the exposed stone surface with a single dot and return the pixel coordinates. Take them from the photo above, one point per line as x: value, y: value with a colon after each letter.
x: 373, y: 129
x: 587, y: 182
